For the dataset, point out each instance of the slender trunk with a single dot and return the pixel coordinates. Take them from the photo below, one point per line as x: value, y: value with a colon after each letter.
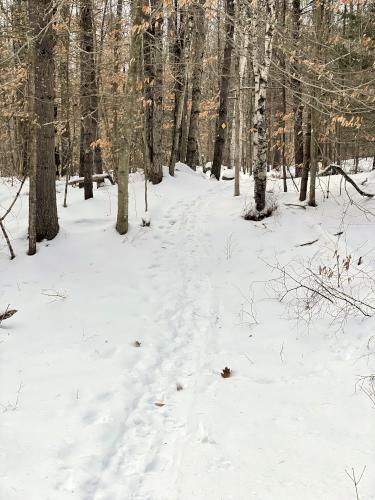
x: 88, y: 102
x: 283, y: 64
x: 296, y: 88
x: 32, y: 156
x: 153, y: 75
x: 318, y: 10
x: 222, y: 124
x: 65, y: 91
x: 115, y: 85
x: 199, y: 41
x: 313, y: 154
x: 179, y: 75
x: 306, y: 159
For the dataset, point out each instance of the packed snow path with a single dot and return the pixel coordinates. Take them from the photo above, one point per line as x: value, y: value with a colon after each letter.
x: 88, y: 415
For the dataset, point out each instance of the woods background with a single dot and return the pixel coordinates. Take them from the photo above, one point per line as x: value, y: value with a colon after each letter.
x: 95, y: 86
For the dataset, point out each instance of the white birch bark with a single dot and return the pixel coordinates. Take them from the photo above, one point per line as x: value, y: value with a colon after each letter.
x: 261, y: 73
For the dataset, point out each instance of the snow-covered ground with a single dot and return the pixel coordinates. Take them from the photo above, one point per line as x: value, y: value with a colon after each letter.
x: 110, y: 385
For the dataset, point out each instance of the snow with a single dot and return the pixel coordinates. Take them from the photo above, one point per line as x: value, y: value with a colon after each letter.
x: 227, y: 174
x: 87, y: 415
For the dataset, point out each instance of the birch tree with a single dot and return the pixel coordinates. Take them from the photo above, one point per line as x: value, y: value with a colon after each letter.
x: 261, y: 65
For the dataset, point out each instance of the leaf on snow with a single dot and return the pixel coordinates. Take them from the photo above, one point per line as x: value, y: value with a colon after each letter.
x: 226, y: 373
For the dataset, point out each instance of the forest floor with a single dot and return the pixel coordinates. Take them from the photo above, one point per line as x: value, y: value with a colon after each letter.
x: 110, y: 372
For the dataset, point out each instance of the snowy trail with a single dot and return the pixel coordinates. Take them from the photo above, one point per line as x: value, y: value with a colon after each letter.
x: 148, y: 448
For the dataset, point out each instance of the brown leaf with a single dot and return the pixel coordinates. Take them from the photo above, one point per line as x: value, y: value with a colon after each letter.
x: 226, y: 373
x: 159, y: 403
x: 137, y: 343
x: 179, y: 387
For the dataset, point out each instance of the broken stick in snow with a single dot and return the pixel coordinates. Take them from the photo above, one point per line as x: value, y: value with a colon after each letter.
x: 308, y: 243
x: 295, y: 205
x: 8, y: 313
x: 12, y: 254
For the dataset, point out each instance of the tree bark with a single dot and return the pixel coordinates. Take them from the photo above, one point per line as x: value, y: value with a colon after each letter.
x: 222, y: 122
x: 306, y: 159
x: 40, y: 14
x: 115, y: 85
x: 122, y: 223
x: 296, y: 88
x: 66, y: 147
x: 199, y: 42
x: 88, y: 100
x: 261, y: 72
x: 153, y: 88
x: 180, y: 78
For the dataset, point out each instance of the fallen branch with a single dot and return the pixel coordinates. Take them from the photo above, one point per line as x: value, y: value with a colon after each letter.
x: 337, y: 168
x: 96, y: 178
x: 11, y: 251
x: 307, y: 243
x: 8, y: 313
x: 295, y: 205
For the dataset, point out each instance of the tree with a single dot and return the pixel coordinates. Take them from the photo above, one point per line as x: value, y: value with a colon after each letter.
x: 130, y: 114
x: 221, y: 123
x: 42, y: 70
x: 178, y: 56
x: 261, y: 71
x: 153, y: 88
x: 296, y: 88
x: 199, y: 41
x: 88, y: 97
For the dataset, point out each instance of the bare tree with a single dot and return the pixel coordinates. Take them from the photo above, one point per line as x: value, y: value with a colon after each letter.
x: 221, y: 123
x: 41, y: 18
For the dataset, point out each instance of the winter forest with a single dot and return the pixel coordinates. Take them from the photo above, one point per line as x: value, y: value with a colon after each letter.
x: 187, y: 249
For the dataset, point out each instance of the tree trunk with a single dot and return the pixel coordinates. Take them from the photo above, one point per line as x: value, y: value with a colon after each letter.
x: 261, y: 72
x: 306, y: 159
x: 115, y: 85
x: 153, y: 76
x: 40, y: 14
x: 199, y: 41
x: 65, y: 91
x: 313, y: 154
x: 19, y: 22
x: 128, y: 127
x: 297, y: 91
x: 88, y: 102
x: 32, y: 153
x: 318, y: 10
x: 222, y: 124
x: 179, y: 76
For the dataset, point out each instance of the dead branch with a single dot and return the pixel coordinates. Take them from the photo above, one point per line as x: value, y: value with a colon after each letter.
x: 8, y: 313
x: 5, y: 234
x: 14, y: 200
x: 308, y: 243
x: 337, y: 168
x: 354, y: 480
x: 295, y: 205
x: 11, y: 251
